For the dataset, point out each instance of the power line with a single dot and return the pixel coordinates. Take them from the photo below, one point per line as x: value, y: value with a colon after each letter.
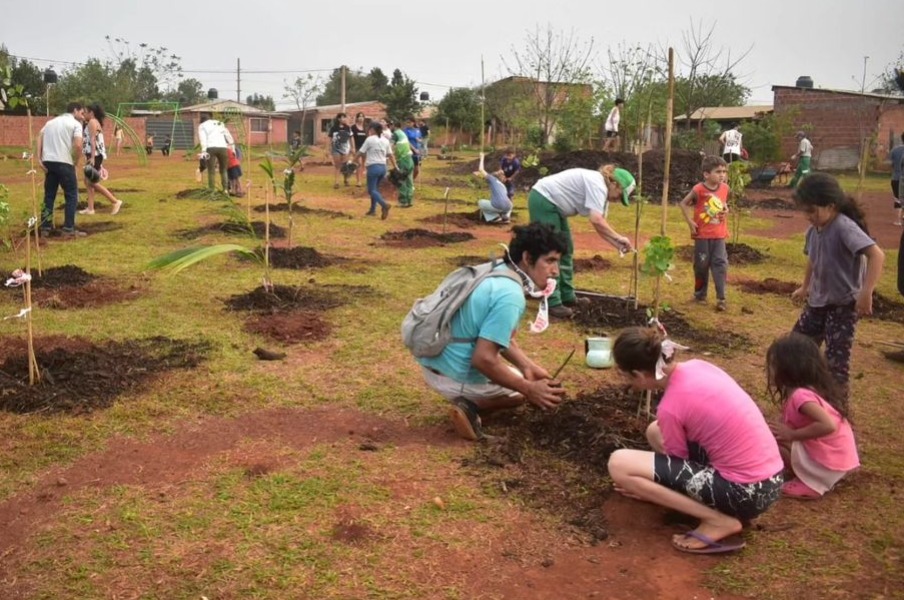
x: 223, y: 71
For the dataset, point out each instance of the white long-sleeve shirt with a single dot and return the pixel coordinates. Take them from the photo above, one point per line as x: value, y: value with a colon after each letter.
x: 613, y: 119
x: 213, y: 134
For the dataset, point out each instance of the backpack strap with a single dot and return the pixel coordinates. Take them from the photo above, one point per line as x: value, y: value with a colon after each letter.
x: 493, y: 273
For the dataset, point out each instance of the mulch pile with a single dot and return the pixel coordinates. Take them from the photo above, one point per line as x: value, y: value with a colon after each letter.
x: 253, y: 229
x: 79, y: 376
x: 69, y: 287
x: 300, y: 257
x: 556, y: 460
x: 606, y: 316
x: 684, y: 172
x: 421, y: 238
x: 303, y: 210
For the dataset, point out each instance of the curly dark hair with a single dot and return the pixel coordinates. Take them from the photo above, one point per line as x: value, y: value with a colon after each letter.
x: 536, y: 239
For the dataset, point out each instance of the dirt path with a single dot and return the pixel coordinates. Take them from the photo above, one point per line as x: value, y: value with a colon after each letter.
x: 635, y: 562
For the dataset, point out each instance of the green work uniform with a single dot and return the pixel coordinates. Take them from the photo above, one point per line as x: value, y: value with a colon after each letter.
x: 405, y: 162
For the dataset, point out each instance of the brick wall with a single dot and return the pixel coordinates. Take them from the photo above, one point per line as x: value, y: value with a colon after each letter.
x: 891, y: 126
x: 837, y: 122
x: 14, y: 129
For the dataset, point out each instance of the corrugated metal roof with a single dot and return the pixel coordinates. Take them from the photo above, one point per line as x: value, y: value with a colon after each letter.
x: 727, y: 113
x: 232, y: 105
x: 845, y: 92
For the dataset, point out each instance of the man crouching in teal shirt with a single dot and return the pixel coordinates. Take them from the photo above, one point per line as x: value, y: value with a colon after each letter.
x: 472, y: 374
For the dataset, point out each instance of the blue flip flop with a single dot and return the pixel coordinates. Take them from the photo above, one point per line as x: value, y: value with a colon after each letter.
x: 732, y: 543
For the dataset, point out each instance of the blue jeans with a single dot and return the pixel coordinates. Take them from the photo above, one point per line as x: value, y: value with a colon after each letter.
x: 59, y: 175
x: 375, y: 174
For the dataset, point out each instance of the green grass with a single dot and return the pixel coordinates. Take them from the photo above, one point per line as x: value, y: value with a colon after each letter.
x: 221, y: 533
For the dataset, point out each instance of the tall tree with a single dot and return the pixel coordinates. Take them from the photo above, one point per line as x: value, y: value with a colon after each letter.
x: 893, y: 77
x: 705, y: 70
x: 155, y: 62
x: 629, y: 74
x: 557, y: 62
x: 400, y: 97
x: 262, y: 102
x: 461, y: 107
x: 30, y: 77
x: 303, y: 91
x: 378, y: 81
x: 358, y: 88
x: 189, y: 91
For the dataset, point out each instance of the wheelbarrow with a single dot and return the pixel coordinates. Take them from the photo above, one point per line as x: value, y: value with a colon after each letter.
x: 762, y: 177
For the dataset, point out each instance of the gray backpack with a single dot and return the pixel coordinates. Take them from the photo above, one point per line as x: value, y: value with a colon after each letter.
x: 427, y: 329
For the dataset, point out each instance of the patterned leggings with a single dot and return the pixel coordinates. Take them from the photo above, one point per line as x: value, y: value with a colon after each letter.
x: 698, y: 480
x: 835, y: 326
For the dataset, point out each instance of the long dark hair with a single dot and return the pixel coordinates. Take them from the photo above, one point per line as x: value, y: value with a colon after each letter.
x: 98, y: 111
x: 794, y: 361
x: 821, y: 189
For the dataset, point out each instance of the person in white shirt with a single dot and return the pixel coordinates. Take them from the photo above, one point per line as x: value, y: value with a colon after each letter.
x: 215, y: 140
x: 59, y: 150
x: 731, y: 144
x: 805, y: 154
x: 373, y: 156
x: 612, y: 120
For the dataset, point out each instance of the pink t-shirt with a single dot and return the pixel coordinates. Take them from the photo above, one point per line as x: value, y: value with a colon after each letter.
x: 836, y: 451
x: 703, y: 404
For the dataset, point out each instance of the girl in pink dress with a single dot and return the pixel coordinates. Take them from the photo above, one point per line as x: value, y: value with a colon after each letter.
x: 814, y: 435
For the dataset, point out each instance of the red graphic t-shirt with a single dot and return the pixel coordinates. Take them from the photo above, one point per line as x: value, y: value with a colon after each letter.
x: 711, y: 212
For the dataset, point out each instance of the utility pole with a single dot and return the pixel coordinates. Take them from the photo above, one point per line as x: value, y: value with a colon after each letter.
x: 238, y: 80
x: 863, y: 81
x: 342, y: 88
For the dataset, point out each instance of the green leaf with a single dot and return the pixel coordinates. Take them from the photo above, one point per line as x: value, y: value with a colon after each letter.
x: 179, y: 260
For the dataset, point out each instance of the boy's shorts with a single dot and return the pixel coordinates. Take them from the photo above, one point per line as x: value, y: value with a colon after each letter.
x: 234, y: 172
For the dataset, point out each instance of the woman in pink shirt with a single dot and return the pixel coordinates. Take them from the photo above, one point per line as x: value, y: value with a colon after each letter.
x: 713, y: 456
x: 814, y: 435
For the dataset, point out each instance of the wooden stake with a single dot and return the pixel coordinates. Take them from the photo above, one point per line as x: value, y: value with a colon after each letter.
x: 482, y: 105
x: 267, y: 239
x: 446, y: 211
x: 34, y: 192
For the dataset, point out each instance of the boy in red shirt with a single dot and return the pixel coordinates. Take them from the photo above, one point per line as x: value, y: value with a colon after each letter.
x: 708, y: 202
x: 234, y: 172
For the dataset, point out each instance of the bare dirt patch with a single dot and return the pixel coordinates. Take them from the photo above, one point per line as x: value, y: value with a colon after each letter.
x: 769, y: 285
x: 71, y: 287
x: 594, y: 263
x: 606, y: 315
x: 421, y: 238
x: 79, y: 376
x: 290, y: 327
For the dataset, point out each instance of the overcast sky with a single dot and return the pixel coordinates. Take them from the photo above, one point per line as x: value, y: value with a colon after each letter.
x: 440, y: 44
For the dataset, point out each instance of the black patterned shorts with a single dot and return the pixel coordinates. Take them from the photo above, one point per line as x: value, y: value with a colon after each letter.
x: 701, y: 482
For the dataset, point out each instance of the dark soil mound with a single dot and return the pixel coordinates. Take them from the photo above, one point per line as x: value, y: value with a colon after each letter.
x: 464, y: 220
x: 886, y: 309
x: 291, y: 327
x: 283, y: 298
x: 79, y: 376
x: 93, y: 227
x: 91, y: 295
x: 419, y: 238
x: 60, y: 277
x: 303, y: 210
x: 202, y: 194
x: 556, y: 460
x: 254, y: 229
x: 596, y: 263
x: 608, y: 315
x: 738, y: 254
x: 684, y: 172
x: 768, y: 286
x: 468, y: 259
x: 299, y: 257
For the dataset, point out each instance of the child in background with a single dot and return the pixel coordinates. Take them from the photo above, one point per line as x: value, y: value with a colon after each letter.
x: 510, y: 165
x: 167, y: 143
x: 234, y: 171
x: 835, y: 289
x: 709, y: 202
x: 149, y: 144
x: 814, y: 435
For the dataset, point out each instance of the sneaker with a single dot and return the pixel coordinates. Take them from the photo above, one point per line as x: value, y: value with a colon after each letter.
x: 580, y: 302
x: 116, y: 206
x: 384, y: 212
x: 560, y: 312
x: 370, y: 213
x: 799, y: 490
x: 465, y: 419
x: 700, y: 300
x: 721, y: 306
x: 86, y: 211
x: 73, y: 233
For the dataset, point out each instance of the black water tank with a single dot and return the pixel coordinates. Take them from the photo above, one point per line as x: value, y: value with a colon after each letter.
x: 804, y: 81
x: 425, y: 96
x: 50, y: 76
x: 212, y: 94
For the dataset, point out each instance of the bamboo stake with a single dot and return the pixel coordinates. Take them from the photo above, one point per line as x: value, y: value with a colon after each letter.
x: 267, y: 284
x: 446, y: 211
x: 34, y: 191
x: 482, y: 105
x: 34, y: 373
